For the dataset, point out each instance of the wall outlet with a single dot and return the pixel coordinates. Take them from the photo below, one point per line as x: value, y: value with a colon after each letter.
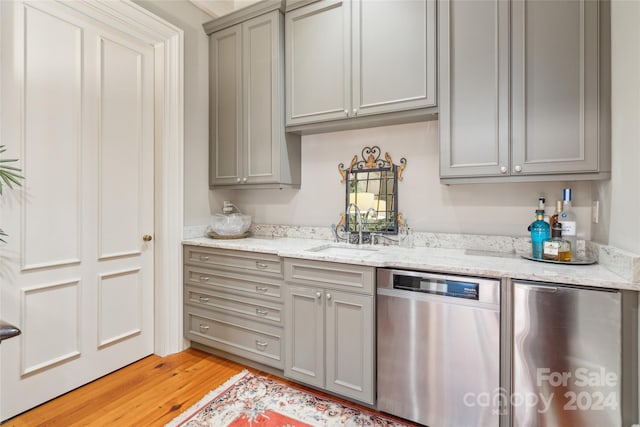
x: 595, y: 211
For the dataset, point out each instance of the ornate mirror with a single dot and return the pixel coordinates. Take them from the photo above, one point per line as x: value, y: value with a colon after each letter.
x: 372, y: 193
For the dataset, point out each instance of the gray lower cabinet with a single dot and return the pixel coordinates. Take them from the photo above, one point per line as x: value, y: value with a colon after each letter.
x: 330, y: 327
x: 347, y: 59
x: 248, y: 144
x: 233, y: 302
x: 524, y: 90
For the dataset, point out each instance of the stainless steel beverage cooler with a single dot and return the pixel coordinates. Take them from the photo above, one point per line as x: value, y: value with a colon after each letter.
x: 574, y: 356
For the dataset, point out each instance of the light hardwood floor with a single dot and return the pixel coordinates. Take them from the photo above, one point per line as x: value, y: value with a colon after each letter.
x: 150, y: 392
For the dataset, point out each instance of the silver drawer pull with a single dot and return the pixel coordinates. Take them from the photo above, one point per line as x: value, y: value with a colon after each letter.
x: 261, y: 265
x: 204, y: 327
x: 203, y: 278
x: 261, y: 289
x: 261, y: 312
x: 204, y: 258
x: 203, y: 299
x: 261, y: 345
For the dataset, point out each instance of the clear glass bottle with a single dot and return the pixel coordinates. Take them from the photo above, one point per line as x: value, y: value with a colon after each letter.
x: 540, y: 232
x: 568, y: 219
x: 406, y: 237
x: 556, y: 248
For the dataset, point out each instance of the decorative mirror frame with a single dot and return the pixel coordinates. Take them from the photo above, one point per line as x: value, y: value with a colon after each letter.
x: 371, y: 163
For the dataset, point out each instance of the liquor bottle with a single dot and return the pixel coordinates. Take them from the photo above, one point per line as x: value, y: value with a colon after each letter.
x: 568, y: 219
x: 556, y: 248
x: 556, y: 215
x: 541, y: 201
x: 539, y: 233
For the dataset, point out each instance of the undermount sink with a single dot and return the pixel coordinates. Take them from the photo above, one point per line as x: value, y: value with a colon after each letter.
x: 344, y: 250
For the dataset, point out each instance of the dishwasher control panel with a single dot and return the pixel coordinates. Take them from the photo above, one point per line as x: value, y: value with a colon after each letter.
x: 467, y: 289
x: 438, y: 286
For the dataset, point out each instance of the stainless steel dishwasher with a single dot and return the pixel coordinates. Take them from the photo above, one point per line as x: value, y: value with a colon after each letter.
x: 438, y: 360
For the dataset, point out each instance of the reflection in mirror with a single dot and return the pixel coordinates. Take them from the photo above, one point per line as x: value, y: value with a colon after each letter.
x: 371, y: 193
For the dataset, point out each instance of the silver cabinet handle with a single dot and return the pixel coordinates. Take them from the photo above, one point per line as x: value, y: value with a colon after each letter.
x: 261, y: 312
x: 203, y: 278
x: 318, y: 294
x: 550, y: 289
x: 355, y: 111
x: 261, y: 345
x: 204, y: 327
x: 328, y: 296
x: 203, y: 300
x: 204, y: 258
x: 346, y: 112
x: 261, y: 265
x: 238, y: 180
x: 244, y: 179
x: 503, y: 169
x: 517, y: 168
x: 261, y: 289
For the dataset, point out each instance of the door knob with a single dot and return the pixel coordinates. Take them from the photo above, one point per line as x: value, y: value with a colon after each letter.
x: 147, y: 238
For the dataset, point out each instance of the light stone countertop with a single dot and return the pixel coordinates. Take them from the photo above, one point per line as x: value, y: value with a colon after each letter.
x: 459, y: 261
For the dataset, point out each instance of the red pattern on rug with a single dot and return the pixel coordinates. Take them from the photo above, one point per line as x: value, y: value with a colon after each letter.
x: 268, y: 418
x: 249, y: 400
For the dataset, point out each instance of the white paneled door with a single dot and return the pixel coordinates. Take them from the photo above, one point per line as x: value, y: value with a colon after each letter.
x: 77, y: 272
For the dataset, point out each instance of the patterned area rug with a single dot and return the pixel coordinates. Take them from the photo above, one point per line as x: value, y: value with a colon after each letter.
x: 252, y: 400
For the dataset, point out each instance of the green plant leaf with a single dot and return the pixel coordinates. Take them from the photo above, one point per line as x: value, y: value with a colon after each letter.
x: 9, y: 174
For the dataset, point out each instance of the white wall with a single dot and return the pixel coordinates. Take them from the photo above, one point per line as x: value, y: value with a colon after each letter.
x: 503, y: 209
x: 189, y: 18
x: 621, y: 225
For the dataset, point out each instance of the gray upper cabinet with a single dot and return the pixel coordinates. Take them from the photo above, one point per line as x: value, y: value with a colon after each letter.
x: 226, y: 106
x: 249, y: 147
x: 524, y: 90
x: 348, y: 59
x: 394, y: 55
x: 318, y: 62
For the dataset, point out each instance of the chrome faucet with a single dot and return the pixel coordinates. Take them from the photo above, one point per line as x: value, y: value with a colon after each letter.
x: 358, y: 220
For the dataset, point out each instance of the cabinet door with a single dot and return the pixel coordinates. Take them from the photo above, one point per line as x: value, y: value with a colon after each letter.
x: 262, y: 89
x: 318, y: 55
x: 474, y: 88
x: 394, y: 55
x: 304, y: 335
x: 226, y: 106
x: 555, y: 86
x: 350, y: 345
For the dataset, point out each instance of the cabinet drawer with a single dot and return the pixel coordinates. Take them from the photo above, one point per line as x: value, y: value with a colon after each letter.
x: 251, y: 340
x: 268, y: 265
x: 245, y: 285
x: 233, y: 304
x: 330, y: 275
